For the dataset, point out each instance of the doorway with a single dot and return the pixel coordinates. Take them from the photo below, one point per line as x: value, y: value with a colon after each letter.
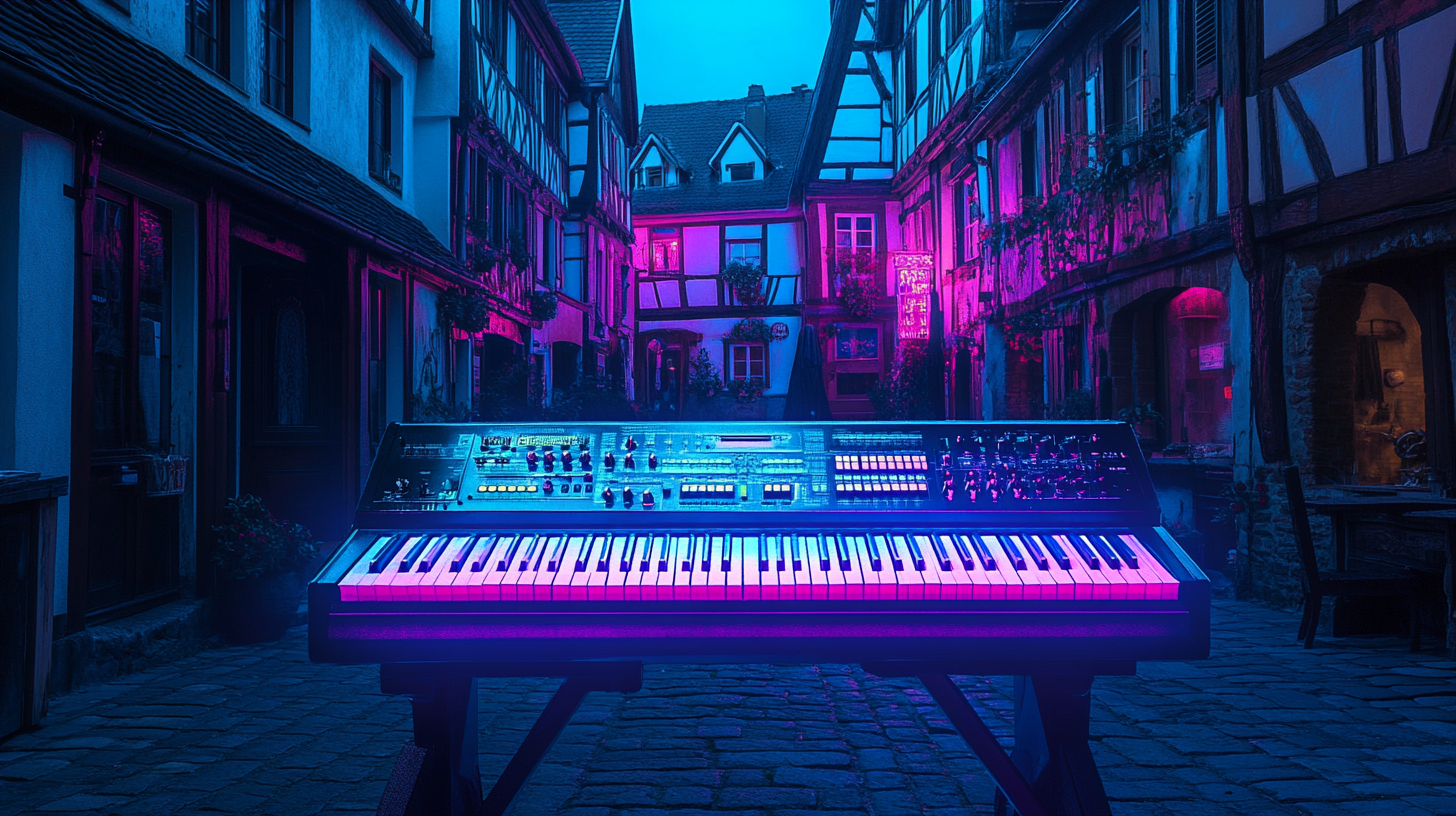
x: 290, y: 439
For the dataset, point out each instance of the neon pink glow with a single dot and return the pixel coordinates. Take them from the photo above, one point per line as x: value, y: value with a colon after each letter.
x: 914, y: 273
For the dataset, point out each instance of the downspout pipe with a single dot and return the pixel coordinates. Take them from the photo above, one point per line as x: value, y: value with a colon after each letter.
x: 24, y: 83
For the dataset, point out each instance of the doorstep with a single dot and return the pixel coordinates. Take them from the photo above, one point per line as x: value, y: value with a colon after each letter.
x: 142, y: 641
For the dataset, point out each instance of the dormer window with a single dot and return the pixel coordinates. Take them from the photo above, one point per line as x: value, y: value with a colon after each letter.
x: 740, y: 172
x: 652, y: 177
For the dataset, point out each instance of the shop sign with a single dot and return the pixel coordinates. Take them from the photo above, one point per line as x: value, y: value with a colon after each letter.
x: 1210, y: 358
x: 914, y: 276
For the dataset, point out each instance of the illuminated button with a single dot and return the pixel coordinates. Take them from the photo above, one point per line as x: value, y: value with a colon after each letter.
x: 530, y: 488
x: 480, y: 488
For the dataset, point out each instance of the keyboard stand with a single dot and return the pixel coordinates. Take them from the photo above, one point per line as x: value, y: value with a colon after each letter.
x: 1050, y: 769
x: 440, y: 772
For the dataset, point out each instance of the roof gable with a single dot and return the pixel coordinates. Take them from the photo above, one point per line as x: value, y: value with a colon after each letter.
x: 652, y: 141
x: 590, y: 28
x: 739, y: 131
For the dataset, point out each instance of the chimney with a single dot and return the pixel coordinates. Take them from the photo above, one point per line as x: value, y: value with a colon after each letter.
x: 754, y: 110
x: 800, y: 89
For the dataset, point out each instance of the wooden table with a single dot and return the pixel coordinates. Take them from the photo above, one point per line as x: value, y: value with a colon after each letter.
x: 1448, y: 516
x: 1344, y: 506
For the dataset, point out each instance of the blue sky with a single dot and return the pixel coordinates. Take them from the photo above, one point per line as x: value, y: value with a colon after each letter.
x: 691, y: 50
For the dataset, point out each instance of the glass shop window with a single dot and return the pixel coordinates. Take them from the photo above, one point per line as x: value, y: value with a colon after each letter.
x: 666, y: 247
x: 1200, y: 374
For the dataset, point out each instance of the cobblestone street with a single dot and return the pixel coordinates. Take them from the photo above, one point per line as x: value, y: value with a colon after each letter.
x: 1355, y: 727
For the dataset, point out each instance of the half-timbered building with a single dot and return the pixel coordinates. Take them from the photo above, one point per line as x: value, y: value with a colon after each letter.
x: 719, y: 252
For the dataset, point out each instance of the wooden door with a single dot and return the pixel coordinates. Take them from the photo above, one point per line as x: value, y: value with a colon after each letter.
x: 290, y: 437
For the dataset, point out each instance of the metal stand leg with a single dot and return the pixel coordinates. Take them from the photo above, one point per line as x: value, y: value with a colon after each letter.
x: 1053, y: 720
x: 980, y: 740
x: 440, y: 774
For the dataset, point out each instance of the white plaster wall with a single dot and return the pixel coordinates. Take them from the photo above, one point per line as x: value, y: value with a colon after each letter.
x: 1288, y: 21
x: 701, y: 254
x: 785, y: 248
x: 341, y: 35
x: 437, y: 101
x: 740, y: 151
x: 1330, y: 93
x: 37, y: 298
x: 780, y: 354
x: 1293, y: 157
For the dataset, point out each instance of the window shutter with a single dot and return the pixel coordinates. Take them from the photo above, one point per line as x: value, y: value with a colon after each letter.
x: 1205, y: 32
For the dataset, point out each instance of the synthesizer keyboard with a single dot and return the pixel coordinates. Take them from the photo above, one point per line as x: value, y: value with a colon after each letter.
x: 1022, y: 548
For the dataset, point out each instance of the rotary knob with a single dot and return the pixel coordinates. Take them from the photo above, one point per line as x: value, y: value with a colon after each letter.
x: 631, y: 443
x: 627, y: 496
x: 585, y: 460
x: 548, y: 488
x: 652, y: 460
x: 629, y: 461
x: 531, y: 458
x: 550, y: 458
x: 566, y: 457
x: 647, y: 500
x: 610, y: 459
x: 608, y: 496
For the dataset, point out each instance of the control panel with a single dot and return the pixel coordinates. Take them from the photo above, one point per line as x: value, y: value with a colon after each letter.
x: 758, y: 466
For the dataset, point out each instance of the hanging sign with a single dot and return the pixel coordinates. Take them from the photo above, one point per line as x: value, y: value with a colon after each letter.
x: 1210, y: 358
x: 914, y: 276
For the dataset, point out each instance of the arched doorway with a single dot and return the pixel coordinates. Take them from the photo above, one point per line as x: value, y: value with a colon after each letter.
x: 664, y: 356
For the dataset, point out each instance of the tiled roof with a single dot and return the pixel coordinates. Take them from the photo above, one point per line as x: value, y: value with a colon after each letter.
x: 590, y: 29
x: 66, y: 46
x: 694, y: 130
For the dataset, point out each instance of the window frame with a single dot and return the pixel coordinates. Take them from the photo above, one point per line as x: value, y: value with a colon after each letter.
x: 648, y: 176
x: 1130, y: 79
x: 748, y: 362
x: 730, y: 243
x: 283, y: 101
x: 730, y: 169
x: 856, y: 327
x: 855, y: 231
x: 220, y: 37
x: 381, y: 123
x: 669, y: 235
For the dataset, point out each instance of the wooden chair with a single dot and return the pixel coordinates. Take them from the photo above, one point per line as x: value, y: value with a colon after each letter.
x: 1319, y: 585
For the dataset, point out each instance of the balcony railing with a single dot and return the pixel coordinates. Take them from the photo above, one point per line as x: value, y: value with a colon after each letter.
x: 659, y: 291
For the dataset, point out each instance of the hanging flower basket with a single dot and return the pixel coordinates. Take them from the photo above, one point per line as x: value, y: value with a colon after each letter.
x: 746, y: 390
x: 520, y: 249
x: 543, y: 305
x: 468, y: 311
x: 751, y: 330
x: 746, y: 282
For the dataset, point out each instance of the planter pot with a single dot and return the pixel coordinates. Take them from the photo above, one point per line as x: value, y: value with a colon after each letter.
x: 258, y: 610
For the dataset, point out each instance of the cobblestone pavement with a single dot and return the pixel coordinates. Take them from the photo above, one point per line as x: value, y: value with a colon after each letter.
x: 1357, y: 727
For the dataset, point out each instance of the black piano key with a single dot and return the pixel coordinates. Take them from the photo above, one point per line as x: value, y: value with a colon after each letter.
x: 553, y: 562
x: 583, y: 558
x: 686, y: 551
x: 821, y: 544
x: 629, y: 544
x: 1034, y: 550
x: 662, y: 547
x: 408, y: 559
x: 841, y: 547
x: 498, y: 543
x: 795, y: 552
x: 968, y: 559
x: 893, y: 545
x: 1123, y: 550
x: 780, y: 547
x: 762, y: 553
x: 461, y: 557
x: 872, y: 546
x: 1013, y: 552
x: 530, y: 548
x: 704, y: 552
x: 988, y: 561
x: 508, y: 552
x: 1085, y: 550
x: 942, y: 555
x: 916, y: 556
x: 433, y: 556
x: 1104, y: 549
x: 1054, y: 549
x: 604, y: 559
x: 388, y: 551
x: 724, y: 545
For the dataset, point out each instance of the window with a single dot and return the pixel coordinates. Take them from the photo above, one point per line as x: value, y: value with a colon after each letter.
x: 553, y: 114
x: 654, y: 176
x: 740, y: 172
x: 497, y: 209
x: 1132, y: 83
x: 278, y: 55
x: 748, y: 252
x: 381, y: 125
x: 1030, y: 177
x: 666, y: 250
x: 548, y: 249
x: 574, y: 249
x: 207, y: 34
x: 853, y: 233
x: 527, y: 69
x: 488, y: 18
x: 861, y: 343
x: 746, y: 362
x: 970, y: 218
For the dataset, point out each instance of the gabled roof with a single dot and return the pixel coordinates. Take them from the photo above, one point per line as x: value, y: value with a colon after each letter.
x: 737, y: 129
x: 661, y: 144
x: 590, y: 29
x: 75, y: 54
x: 695, y: 131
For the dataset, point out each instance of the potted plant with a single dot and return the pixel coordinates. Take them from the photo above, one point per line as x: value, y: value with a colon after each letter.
x: 745, y: 280
x: 258, y: 559
x: 1139, y: 415
x: 543, y: 305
